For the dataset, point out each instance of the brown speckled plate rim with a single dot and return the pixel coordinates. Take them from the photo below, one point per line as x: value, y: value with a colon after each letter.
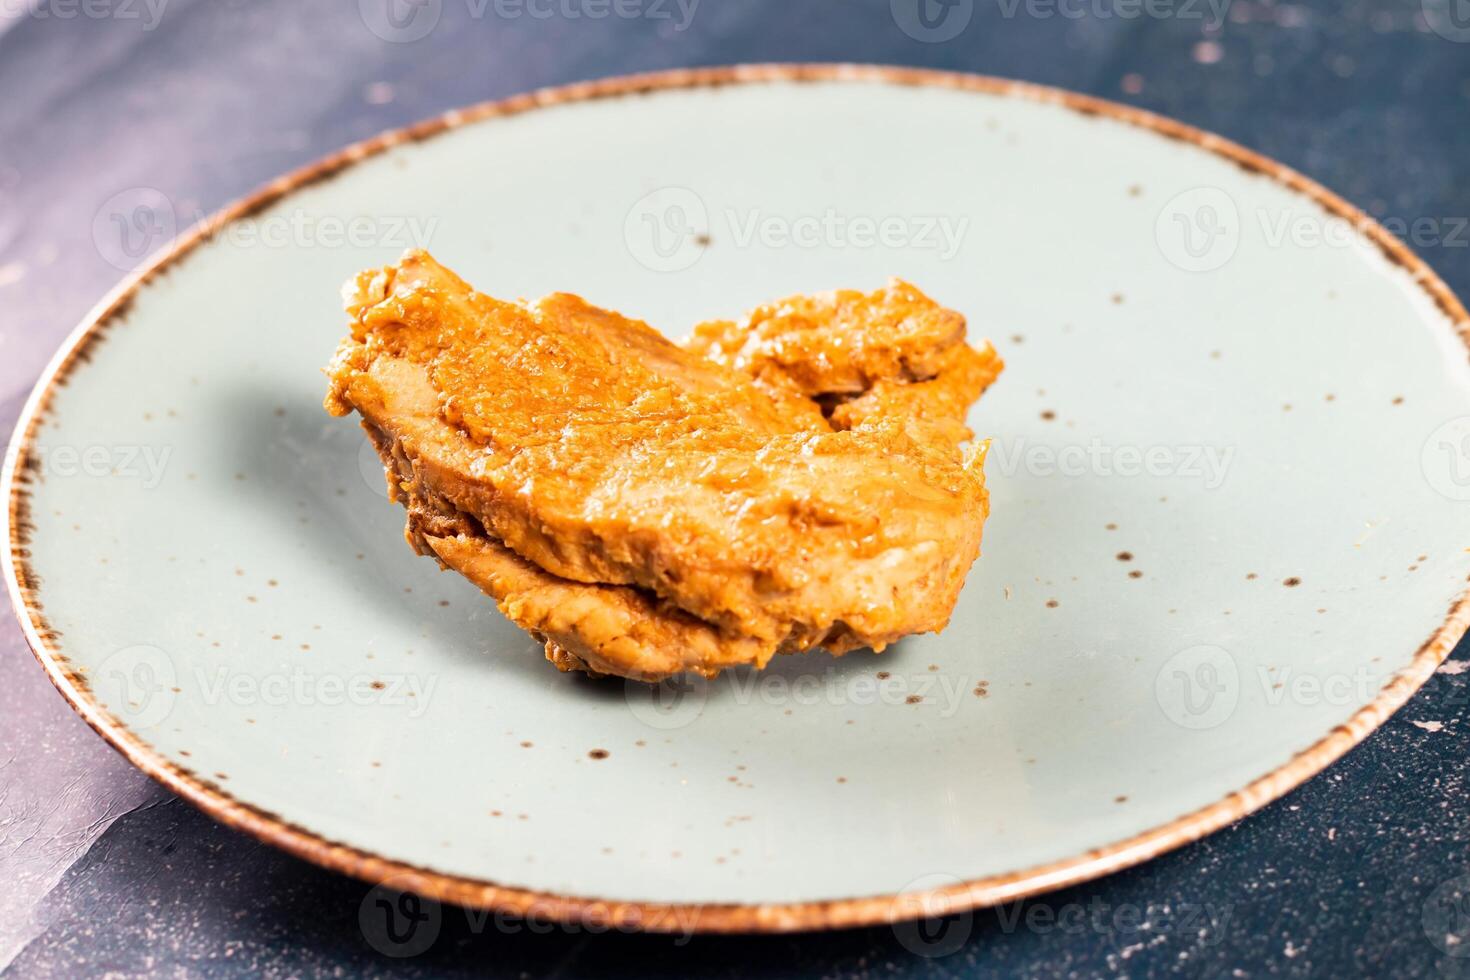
x: 839, y: 913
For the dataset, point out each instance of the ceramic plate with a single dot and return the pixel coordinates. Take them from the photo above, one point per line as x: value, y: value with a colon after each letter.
x: 1228, y: 482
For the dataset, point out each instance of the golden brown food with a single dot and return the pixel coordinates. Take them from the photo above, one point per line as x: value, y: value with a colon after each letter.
x: 647, y: 510
x: 892, y: 354
x: 837, y: 344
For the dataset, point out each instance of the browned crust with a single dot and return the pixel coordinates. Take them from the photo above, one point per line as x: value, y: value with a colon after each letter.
x: 272, y: 829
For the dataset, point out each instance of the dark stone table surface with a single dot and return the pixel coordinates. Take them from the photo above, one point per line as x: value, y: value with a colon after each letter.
x: 103, y: 872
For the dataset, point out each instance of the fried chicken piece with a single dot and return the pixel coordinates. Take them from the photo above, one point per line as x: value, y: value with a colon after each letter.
x: 599, y: 629
x: 837, y: 343
x: 890, y: 354
x: 640, y: 508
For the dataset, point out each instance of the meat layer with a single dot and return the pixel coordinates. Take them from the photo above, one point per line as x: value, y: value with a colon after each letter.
x: 646, y: 509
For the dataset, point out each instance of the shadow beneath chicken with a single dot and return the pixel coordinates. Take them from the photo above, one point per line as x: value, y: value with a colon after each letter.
x: 323, y: 477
